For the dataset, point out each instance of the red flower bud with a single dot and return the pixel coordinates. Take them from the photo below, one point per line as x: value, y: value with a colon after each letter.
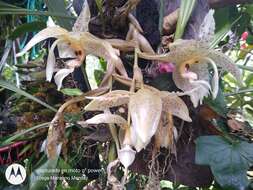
x: 244, y: 35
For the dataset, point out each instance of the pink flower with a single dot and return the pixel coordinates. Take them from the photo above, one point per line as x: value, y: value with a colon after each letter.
x: 165, y: 67
x: 244, y: 36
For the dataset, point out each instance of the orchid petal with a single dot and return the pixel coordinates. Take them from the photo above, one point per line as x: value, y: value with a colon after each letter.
x: 50, y: 32
x: 175, y: 105
x: 199, y: 94
x: 162, y: 136
x: 144, y: 44
x: 65, y: 51
x: 139, y: 144
x: 50, y: 22
x: 51, y: 61
x: 129, y: 136
x: 60, y: 75
x: 215, y: 79
x: 135, y: 22
x: 106, y: 118
x: 111, y: 99
x: 226, y: 64
x: 207, y: 28
x: 126, y: 156
x: 120, y: 66
x: 102, y: 48
x: 198, y: 89
x: 145, y: 109
x: 82, y: 22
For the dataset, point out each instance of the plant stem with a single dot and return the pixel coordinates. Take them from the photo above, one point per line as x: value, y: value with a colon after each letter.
x: 239, y: 92
x: 85, y: 77
x: 248, y: 68
x: 161, y: 15
x: 29, y: 12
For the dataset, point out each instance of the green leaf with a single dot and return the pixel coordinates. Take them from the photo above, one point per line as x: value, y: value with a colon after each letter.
x: 228, y: 161
x: 249, y: 9
x: 225, y: 18
x: 58, y: 6
x: 21, y: 133
x: 99, y: 4
x: 75, y: 178
x: 219, y: 104
x: 8, y: 9
x: 98, y: 75
x: 27, y: 27
x: 247, y: 68
x: 72, y: 91
x: 186, y: 8
x: 13, y: 88
x: 222, y: 33
x: 103, y: 63
x: 42, y: 175
x: 250, y: 40
x: 249, y: 80
x: 248, y: 90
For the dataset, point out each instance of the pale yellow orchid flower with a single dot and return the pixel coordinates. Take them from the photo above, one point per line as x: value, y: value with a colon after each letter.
x: 76, y: 44
x: 145, y: 108
x: 191, y: 58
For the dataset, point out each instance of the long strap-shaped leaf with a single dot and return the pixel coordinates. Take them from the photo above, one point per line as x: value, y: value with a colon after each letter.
x: 13, y: 88
x: 222, y: 33
x: 22, y: 133
x: 186, y: 8
x: 7, y: 9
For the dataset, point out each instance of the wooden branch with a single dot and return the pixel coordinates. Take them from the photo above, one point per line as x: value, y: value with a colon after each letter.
x: 222, y: 3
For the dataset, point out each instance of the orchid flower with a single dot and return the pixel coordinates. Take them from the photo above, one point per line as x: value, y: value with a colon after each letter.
x: 76, y: 45
x: 145, y: 108
x: 191, y: 59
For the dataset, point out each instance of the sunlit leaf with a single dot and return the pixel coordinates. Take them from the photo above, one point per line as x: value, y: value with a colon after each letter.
x: 186, y: 8
x: 71, y: 91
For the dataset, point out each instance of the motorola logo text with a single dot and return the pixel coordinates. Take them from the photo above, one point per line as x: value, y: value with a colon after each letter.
x: 15, y: 174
